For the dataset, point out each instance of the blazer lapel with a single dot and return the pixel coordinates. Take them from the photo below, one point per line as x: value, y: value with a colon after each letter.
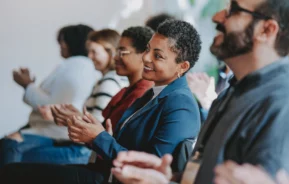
x: 146, y: 108
x: 178, y: 83
x: 127, y: 114
x: 139, y: 103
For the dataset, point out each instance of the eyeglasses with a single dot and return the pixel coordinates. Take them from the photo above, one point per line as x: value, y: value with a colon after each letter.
x: 122, y: 53
x: 233, y: 7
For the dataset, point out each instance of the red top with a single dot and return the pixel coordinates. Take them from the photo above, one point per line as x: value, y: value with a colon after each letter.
x: 124, y: 99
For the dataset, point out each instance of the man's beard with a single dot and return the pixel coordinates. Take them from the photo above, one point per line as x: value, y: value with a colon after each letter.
x: 235, y: 43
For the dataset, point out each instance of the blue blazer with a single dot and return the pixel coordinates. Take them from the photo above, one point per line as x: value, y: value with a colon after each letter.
x: 157, y: 128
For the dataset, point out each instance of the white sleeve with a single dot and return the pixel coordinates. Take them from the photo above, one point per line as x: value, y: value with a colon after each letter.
x: 72, y: 85
x: 35, y: 96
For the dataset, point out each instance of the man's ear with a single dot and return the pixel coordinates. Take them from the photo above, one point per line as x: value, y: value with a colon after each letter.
x: 267, y: 30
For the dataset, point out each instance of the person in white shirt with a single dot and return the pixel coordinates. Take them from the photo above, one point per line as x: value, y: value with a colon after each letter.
x: 71, y: 82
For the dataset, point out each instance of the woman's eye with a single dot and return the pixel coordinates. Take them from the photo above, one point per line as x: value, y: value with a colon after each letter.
x: 157, y: 56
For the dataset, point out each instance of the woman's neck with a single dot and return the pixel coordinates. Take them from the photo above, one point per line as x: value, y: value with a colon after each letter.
x: 134, y: 78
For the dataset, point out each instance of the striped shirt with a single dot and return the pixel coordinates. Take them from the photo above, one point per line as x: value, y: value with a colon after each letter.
x: 103, y: 91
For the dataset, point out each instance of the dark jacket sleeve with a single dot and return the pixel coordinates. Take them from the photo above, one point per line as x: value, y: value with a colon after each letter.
x: 106, y: 146
x: 180, y: 120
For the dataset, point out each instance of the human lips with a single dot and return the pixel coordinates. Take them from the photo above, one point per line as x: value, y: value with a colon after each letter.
x: 148, y: 68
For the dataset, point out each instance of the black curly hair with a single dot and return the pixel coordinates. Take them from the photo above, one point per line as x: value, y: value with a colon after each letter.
x: 154, y: 21
x: 140, y: 36
x: 75, y: 37
x: 185, y: 40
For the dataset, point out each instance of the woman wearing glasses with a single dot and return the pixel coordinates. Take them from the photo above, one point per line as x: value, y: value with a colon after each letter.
x: 155, y: 123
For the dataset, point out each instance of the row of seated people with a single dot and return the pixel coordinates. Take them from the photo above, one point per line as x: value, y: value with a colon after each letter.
x: 118, y: 85
x: 138, y: 58
x: 247, y: 123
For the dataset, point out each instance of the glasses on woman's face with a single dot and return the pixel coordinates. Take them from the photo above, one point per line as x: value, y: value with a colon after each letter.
x: 233, y: 7
x: 122, y: 53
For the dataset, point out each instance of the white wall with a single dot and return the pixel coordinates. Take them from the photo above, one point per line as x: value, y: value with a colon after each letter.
x: 28, y: 38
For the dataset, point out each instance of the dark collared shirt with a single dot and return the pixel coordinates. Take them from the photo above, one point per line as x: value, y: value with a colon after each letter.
x: 249, y: 123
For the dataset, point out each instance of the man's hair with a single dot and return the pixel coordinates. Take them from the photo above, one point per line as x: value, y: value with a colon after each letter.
x: 140, y: 37
x: 185, y: 40
x: 278, y: 10
x: 154, y: 21
x: 75, y: 37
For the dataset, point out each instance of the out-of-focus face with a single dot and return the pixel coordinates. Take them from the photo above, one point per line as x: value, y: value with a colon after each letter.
x: 127, y: 61
x: 235, y: 31
x: 64, y: 50
x: 98, y: 54
x: 160, y: 61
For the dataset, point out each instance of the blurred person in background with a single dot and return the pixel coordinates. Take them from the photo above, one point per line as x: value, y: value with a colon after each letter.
x: 154, y: 21
x: 102, y: 49
x: 71, y: 82
x: 206, y: 90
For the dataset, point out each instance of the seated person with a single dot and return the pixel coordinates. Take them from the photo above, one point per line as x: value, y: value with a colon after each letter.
x: 156, y: 123
x: 71, y: 82
x: 102, y: 49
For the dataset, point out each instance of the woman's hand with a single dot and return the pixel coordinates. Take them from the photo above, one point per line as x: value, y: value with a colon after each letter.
x: 81, y: 131
x: 22, y: 77
x: 62, y: 113
x: 203, y: 87
x: 89, y: 118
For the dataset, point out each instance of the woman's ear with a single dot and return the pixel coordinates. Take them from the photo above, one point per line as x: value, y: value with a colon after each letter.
x: 184, y: 67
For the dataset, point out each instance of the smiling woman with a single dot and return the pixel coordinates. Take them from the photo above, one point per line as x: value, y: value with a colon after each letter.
x: 169, y: 55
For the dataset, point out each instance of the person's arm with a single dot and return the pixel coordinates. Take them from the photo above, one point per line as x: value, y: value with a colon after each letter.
x: 177, y: 118
x: 71, y: 85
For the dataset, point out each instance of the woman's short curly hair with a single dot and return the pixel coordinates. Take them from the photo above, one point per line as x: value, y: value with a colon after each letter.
x: 140, y: 37
x: 185, y: 40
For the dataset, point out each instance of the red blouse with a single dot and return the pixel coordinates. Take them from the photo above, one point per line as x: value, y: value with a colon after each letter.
x: 124, y: 99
